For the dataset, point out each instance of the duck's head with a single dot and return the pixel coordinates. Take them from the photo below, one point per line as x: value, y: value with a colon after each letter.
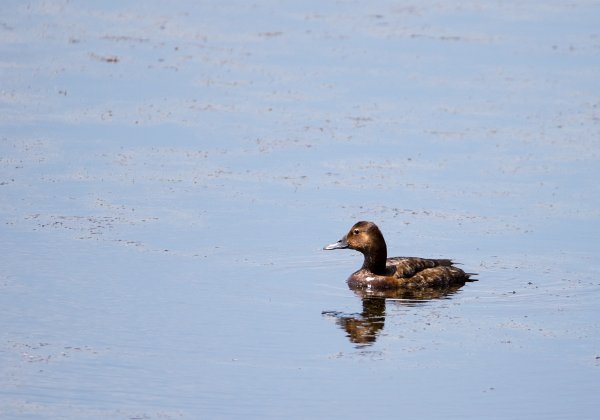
x: 366, y: 238
x: 363, y: 237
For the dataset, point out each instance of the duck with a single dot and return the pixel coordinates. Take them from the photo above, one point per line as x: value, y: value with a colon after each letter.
x: 379, y: 272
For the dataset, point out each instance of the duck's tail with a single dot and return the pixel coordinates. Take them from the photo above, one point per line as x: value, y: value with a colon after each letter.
x: 468, y: 277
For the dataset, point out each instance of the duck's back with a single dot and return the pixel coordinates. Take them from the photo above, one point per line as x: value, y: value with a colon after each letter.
x: 405, y: 267
x: 425, y: 272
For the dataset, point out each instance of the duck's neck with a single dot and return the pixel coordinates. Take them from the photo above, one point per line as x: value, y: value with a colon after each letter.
x: 375, y: 259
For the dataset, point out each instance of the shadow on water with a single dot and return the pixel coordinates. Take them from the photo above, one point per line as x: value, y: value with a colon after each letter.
x: 363, y: 328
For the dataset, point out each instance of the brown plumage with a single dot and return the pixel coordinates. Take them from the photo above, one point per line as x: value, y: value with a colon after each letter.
x: 379, y: 272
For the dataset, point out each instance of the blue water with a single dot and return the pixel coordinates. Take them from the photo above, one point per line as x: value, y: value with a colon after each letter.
x: 169, y: 175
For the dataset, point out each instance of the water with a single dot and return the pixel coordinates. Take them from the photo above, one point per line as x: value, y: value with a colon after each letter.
x: 169, y: 175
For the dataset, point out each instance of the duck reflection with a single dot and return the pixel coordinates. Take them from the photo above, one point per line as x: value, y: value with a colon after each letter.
x: 363, y: 328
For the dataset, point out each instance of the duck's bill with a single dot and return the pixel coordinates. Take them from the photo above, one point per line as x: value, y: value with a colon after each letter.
x: 341, y: 244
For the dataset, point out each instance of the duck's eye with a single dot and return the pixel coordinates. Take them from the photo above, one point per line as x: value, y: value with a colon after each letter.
x: 356, y: 231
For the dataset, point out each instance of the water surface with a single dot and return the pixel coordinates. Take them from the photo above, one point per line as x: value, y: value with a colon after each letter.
x: 169, y: 175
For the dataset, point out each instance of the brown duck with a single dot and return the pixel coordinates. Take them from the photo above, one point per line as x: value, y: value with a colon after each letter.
x: 379, y: 272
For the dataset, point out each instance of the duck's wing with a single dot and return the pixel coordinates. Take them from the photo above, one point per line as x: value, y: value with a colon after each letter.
x: 424, y: 272
x: 440, y: 276
x: 406, y: 267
